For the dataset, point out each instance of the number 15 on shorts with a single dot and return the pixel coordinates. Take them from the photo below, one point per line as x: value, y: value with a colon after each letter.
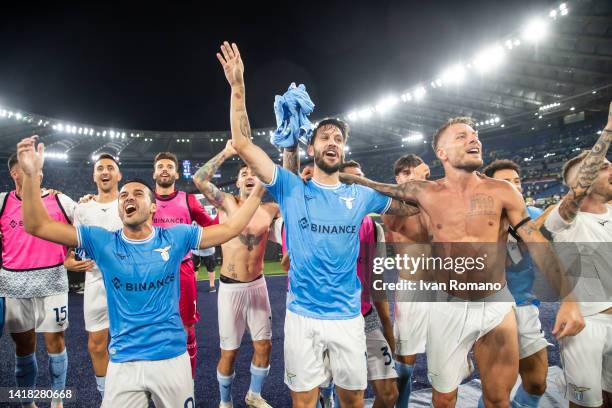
x: 61, y: 313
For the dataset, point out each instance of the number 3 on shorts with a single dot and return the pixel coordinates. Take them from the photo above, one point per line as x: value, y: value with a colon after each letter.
x: 385, y: 352
x: 60, y: 314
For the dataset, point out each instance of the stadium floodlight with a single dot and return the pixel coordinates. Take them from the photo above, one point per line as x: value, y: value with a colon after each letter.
x: 572, y: 108
x: 365, y: 113
x: 386, y: 104
x: 502, y: 125
x: 271, y: 133
x: 419, y: 93
x: 18, y: 116
x: 112, y: 133
x: 414, y: 137
x: 104, y: 133
x: 73, y: 129
x: 509, y: 44
x: 562, y: 6
x: 3, y: 113
x: 123, y: 135
x: 137, y: 134
x: 439, y: 82
x: 406, y: 97
x: 352, y: 115
x: 535, y: 30
x: 187, y: 140
x: 489, y: 58
x: 564, y: 12
x: 553, y: 14
x: 97, y: 133
x: 346, y: 148
x: 453, y: 75
x: 80, y: 131
x: 497, y: 119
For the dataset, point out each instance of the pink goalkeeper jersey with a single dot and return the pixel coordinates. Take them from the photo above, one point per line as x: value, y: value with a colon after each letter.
x: 31, y: 267
x: 367, y: 249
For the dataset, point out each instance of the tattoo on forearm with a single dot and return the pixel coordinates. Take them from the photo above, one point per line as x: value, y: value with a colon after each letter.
x: 245, y: 128
x: 402, y: 192
x: 202, y: 179
x: 291, y: 160
x: 587, y: 174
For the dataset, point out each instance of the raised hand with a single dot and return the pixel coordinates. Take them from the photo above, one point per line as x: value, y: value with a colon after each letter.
x: 31, y: 158
x: 229, y: 149
x: 232, y: 64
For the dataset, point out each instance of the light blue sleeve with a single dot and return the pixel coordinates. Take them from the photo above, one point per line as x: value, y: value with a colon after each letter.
x: 282, y: 182
x: 376, y: 202
x: 91, y: 238
x: 186, y: 237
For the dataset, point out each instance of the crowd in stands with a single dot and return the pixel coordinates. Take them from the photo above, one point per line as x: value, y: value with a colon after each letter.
x: 541, y: 155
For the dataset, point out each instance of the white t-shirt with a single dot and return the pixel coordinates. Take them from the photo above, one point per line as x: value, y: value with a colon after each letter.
x: 592, y: 248
x: 104, y: 215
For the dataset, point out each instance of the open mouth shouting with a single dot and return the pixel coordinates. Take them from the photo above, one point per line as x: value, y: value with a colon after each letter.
x: 250, y: 183
x: 129, y: 208
x: 331, y: 153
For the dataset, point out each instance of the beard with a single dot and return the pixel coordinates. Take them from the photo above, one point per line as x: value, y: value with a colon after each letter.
x: 164, y: 184
x: 327, y: 169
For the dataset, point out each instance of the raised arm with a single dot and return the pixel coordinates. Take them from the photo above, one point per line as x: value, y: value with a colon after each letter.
x: 589, y: 169
x: 569, y: 321
x: 406, y: 192
x: 218, y: 234
x: 35, y: 217
x: 291, y: 159
x: 252, y: 155
x: 202, y: 177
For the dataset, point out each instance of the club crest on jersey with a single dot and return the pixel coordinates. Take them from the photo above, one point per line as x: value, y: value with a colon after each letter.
x: 164, y: 252
x: 348, y: 201
x: 578, y: 391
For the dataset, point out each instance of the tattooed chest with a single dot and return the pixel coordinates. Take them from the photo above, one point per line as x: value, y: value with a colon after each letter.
x: 475, y: 218
x: 251, y: 241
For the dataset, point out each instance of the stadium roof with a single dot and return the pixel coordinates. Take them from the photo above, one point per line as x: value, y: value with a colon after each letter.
x: 558, y: 67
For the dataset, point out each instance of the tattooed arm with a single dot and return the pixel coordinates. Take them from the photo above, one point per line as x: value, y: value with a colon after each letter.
x: 569, y: 321
x: 406, y: 192
x: 202, y: 177
x: 589, y: 169
x: 291, y: 159
x: 252, y: 155
x: 402, y: 209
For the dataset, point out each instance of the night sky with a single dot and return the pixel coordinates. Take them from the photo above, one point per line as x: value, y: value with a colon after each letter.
x: 153, y: 66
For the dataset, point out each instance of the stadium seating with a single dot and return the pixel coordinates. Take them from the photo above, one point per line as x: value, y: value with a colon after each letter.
x: 540, y: 154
